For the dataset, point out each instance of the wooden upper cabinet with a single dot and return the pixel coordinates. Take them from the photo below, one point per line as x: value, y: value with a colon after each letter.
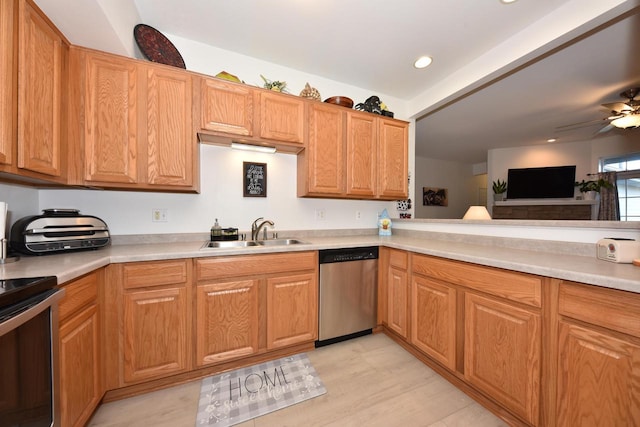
x: 170, y: 138
x: 111, y: 152
x: 136, y: 124
x: 226, y: 107
x: 281, y: 117
x: 42, y: 57
x: 321, y: 165
x: 393, y: 152
x: 361, y: 154
x: 8, y: 75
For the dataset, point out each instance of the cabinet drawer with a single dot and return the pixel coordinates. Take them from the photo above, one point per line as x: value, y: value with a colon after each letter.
x: 610, y: 308
x: 399, y: 259
x: 78, y: 294
x: 246, y: 265
x: 520, y: 287
x: 144, y: 274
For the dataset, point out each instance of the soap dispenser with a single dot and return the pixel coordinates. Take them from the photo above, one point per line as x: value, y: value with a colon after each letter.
x: 216, y: 231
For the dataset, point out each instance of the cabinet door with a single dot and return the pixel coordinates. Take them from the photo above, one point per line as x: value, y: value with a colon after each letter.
x: 8, y: 73
x: 397, y: 301
x: 393, y: 160
x: 111, y: 123
x: 292, y: 310
x: 281, y: 117
x: 502, y: 354
x: 40, y: 77
x: 80, y: 390
x: 598, y: 378
x: 433, y: 320
x: 155, y: 333
x: 226, y: 321
x: 324, y: 153
x: 361, y: 154
x: 170, y: 137
x: 226, y: 107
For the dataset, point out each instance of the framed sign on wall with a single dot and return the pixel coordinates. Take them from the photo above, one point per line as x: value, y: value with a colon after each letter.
x: 254, y: 183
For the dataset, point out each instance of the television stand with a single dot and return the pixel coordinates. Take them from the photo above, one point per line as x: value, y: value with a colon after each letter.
x: 554, y: 209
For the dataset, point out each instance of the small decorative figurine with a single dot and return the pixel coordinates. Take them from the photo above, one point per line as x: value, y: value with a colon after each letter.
x: 274, y: 85
x: 384, y: 224
x: 310, y: 93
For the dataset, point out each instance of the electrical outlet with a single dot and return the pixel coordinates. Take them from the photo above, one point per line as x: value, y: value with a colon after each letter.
x: 358, y: 215
x: 320, y: 215
x: 159, y: 215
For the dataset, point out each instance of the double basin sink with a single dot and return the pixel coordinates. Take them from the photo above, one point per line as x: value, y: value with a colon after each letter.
x: 247, y: 243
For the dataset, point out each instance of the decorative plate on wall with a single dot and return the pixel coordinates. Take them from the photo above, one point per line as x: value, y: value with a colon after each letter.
x: 156, y: 47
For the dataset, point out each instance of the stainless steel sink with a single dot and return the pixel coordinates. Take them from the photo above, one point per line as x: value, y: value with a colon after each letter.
x: 250, y: 243
x: 280, y: 242
x: 228, y: 244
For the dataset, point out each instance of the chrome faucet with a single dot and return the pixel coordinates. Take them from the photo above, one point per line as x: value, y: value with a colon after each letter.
x: 255, y: 228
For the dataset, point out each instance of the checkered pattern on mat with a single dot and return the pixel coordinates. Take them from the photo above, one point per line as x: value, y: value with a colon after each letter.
x: 234, y: 397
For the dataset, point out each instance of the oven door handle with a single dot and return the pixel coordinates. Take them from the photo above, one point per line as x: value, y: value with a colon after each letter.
x: 38, y: 305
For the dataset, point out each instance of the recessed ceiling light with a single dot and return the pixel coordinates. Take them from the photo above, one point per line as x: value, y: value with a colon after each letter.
x: 423, y: 61
x: 508, y: 1
x: 551, y: 140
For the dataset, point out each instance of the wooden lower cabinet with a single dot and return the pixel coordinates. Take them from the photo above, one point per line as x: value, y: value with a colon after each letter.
x: 397, y: 282
x: 502, y: 354
x: 599, y: 378
x: 292, y: 310
x: 598, y: 381
x: 248, y: 305
x: 155, y: 333
x: 80, y: 350
x: 433, y: 319
x: 227, y: 322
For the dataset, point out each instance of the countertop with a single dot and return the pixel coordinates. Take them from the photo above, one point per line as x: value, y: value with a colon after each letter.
x: 585, y: 269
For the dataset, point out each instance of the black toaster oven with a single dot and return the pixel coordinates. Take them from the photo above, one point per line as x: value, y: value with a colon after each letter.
x: 58, y: 230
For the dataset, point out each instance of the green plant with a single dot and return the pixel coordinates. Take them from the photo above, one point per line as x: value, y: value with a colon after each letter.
x: 499, y: 187
x: 593, y: 185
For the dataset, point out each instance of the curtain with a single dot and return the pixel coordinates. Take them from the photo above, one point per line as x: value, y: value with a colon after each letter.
x: 609, y: 207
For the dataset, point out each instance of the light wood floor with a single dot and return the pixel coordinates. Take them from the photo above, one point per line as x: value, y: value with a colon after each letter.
x: 370, y: 381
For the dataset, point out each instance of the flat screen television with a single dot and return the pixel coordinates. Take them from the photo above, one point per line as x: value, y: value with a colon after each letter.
x: 541, y: 183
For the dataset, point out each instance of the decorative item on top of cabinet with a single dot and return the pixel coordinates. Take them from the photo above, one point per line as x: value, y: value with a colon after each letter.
x: 310, y: 93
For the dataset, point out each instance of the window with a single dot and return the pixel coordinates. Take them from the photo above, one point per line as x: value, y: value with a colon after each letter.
x: 628, y: 182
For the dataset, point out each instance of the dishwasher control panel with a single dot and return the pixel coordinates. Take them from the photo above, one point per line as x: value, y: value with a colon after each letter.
x: 348, y: 254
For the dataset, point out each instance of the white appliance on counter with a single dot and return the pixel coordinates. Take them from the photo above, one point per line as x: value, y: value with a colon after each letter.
x: 618, y: 250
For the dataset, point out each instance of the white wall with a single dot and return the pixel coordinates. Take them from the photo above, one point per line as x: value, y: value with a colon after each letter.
x: 456, y: 177
x: 221, y: 197
x: 21, y: 201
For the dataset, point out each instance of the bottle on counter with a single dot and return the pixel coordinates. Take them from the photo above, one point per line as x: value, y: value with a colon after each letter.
x: 216, y: 231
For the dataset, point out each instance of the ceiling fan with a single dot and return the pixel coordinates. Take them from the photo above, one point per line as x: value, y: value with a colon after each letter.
x: 624, y: 115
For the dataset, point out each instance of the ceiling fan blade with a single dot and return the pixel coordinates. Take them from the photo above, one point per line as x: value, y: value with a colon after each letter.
x: 605, y: 129
x: 580, y: 125
x: 617, y: 106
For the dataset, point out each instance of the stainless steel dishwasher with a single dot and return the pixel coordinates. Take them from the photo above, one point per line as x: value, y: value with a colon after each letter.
x: 348, y: 293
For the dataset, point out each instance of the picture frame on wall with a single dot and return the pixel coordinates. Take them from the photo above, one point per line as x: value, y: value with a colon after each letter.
x: 254, y: 182
x: 432, y: 196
